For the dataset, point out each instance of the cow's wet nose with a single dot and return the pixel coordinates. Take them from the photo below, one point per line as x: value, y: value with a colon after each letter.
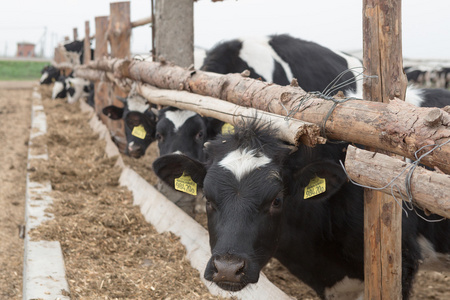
x: 228, y: 269
x: 135, y: 150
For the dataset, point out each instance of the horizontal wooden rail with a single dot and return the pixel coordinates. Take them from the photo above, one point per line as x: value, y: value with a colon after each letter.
x: 293, y: 131
x: 430, y: 190
x: 141, y: 22
x: 391, y: 127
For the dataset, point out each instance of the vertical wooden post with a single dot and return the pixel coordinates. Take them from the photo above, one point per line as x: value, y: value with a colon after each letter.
x: 87, y: 44
x: 119, y: 37
x: 103, y: 89
x: 75, y: 34
x: 174, y: 31
x: 382, y: 50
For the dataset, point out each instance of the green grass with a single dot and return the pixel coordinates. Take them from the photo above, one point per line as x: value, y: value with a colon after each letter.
x: 21, y: 70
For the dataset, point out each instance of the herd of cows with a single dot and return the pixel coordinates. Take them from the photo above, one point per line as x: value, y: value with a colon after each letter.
x: 264, y: 199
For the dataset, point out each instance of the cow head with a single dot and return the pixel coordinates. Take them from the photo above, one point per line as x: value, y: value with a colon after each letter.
x: 140, y: 123
x: 249, y: 196
x: 184, y: 131
x: 60, y: 88
x: 49, y: 75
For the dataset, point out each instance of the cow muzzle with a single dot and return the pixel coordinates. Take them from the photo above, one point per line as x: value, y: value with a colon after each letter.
x: 229, y: 272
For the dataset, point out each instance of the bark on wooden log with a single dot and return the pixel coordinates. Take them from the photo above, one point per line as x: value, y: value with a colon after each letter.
x: 293, y: 131
x: 430, y: 190
x: 396, y: 127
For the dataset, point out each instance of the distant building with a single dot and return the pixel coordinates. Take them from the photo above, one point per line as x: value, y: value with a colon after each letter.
x: 25, y: 50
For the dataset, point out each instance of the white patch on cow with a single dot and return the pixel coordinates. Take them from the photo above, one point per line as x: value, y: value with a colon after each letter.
x: 78, y: 84
x: 354, y: 65
x: 43, y: 77
x: 260, y: 56
x: 137, y: 103
x: 58, y: 87
x: 347, y: 288
x: 414, y: 96
x: 241, y: 162
x: 199, y: 57
x: 179, y: 117
x: 432, y: 260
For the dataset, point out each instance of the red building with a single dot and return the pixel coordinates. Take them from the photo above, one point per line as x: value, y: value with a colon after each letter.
x: 25, y: 50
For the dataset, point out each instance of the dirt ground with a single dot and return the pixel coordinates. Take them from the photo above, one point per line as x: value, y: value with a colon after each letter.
x: 110, y: 251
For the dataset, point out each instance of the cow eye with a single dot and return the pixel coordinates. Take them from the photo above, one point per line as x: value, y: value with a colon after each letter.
x: 277, y: 202
x: 158, y: 137
x: 209, y: 206
x: 199, y: 135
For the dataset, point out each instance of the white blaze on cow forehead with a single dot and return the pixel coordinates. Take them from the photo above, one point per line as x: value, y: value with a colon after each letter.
x: 44, y: 76
x: 241, y: 162
x: 260, y: 56
x: 137, y: 103
x: 179, y: 117
x: 347, y: 288
x: 58, y: 87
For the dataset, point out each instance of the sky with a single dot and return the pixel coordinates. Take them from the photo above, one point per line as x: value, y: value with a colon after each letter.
x: 331, y: 23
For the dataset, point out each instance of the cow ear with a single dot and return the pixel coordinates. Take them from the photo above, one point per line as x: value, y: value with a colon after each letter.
x: 319, y: 180
x: 113, y: 112
x: 134, y: 119
x: 171, y: 166
x: 213, y: 127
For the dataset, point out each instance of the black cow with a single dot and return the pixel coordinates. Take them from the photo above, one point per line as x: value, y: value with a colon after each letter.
x: 280, y: 58
x: 49, y: 75
x: 140, y: 123
x: 264, y: 201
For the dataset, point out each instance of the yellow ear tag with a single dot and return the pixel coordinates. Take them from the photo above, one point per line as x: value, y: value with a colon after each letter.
x: 53, y: 79
x: 315, y: 187
x: 139, y: 132
x: 227, y: 128
x: 186, y: 184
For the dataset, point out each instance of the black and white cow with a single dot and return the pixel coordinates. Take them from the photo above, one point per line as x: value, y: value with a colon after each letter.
x: 78, y: 48
x: 184, y: 131
x: 59, y: 90
x: 264, y: 201
x: 49, y: 75
x: 277, y: 59
x: 74, y: 88
x: 140, y: 123
x: 280, y: 58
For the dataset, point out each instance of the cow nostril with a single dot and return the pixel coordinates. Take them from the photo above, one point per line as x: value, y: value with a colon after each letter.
x: 240, y: 269
x: 230, y: 270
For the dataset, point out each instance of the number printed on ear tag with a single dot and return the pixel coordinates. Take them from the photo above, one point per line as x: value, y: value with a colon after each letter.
x: 315, y: 187
x: 139, y: 132
x: 227, y: 128
x: 186, y: 184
